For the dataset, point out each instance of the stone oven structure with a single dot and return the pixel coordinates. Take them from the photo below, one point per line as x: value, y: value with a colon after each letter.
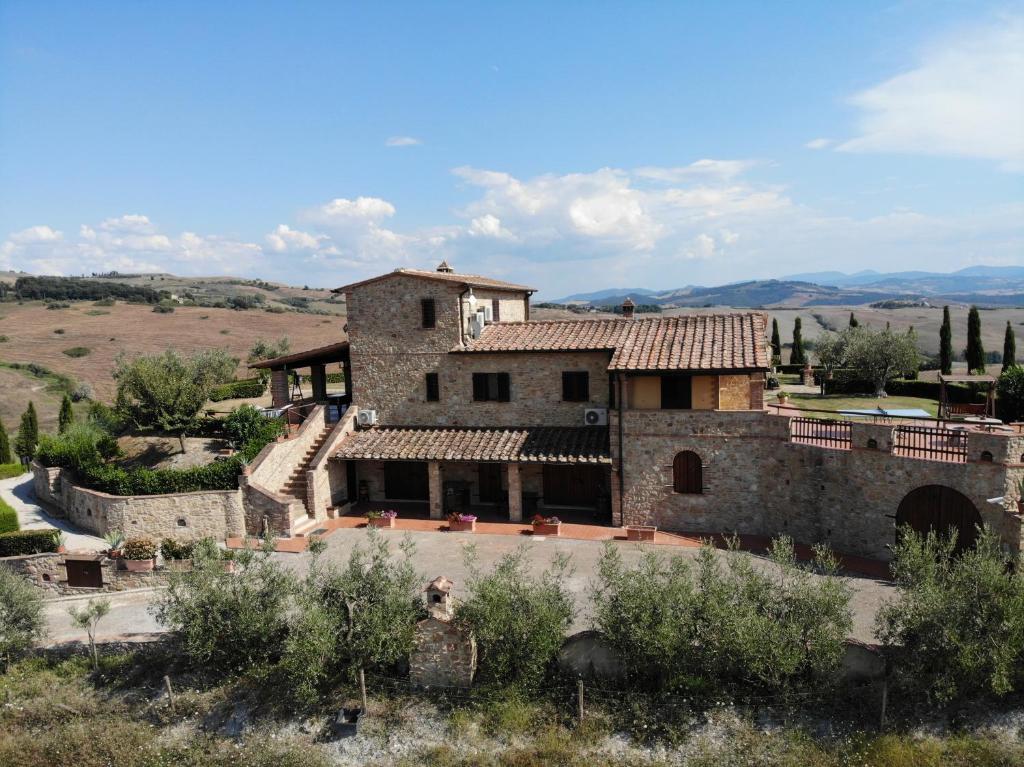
x: 444, y: 653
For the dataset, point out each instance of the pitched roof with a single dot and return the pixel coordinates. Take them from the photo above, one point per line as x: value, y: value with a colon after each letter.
x: 536, y: 444
x: 692, y: 342
x: 325, y: 354
x: 474, y: 280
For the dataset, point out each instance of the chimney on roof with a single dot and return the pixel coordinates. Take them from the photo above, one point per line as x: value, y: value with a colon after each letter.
x: 628, y: 307
x: 443, y: 267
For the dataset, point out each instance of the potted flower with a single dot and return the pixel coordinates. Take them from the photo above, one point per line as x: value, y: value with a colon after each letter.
x: 139, y: 554
x: 61, y: 540
x: 546, y: 525
x: 783, y: 397
x: 381, y: 518
x: 461, y: 523
x: 177, y: 554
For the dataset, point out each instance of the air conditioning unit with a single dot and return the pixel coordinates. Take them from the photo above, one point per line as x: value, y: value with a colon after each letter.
x: 488, y: 312
x: 476, y: 325
x: 367, y: 417
x: 595, y: 416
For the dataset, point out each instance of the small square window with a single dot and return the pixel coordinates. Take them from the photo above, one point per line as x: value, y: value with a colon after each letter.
x: 491, y: 387
x: 576, y: 386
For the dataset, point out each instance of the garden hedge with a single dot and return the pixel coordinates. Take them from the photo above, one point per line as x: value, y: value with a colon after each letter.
x: 28, y: 542
x: 243, y: 389
x: 8, y: 518
x: 8, y: 470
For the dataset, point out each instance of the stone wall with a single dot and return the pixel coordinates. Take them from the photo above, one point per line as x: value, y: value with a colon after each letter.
x: 47, y: 572
x: 443, y: 655
x: 326, y: 481
x: 757, y: 482
x: 184, y: 516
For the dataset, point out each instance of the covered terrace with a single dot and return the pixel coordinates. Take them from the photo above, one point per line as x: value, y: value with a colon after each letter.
x: 286, y: 385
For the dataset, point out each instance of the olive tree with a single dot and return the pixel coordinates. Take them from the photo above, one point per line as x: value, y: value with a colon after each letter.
x: 22, y: 623
x: 831, y: 350
x: 267, y: 350
x: 956, y: 629
x: 882, y: 355
x: 519, y: 618
x: 167, y: 391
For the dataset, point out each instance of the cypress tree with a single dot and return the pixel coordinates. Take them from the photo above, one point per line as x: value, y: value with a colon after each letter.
x: 66, y: 416
x: 853, y: 321
x: 776, y: 341
x: 28, y: 433
x: 5, y: 445
x: 946, y: 343
x: 797, y: 357
x: 975, y: 350
x: 1009, y: 348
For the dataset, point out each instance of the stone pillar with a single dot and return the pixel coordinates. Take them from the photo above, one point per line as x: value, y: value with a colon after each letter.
x: 436, y: 490
x: 615, y: 486
x: 279, y: 392
x: 807, y: 375
x: 318, y: 379
x: 515, y: 493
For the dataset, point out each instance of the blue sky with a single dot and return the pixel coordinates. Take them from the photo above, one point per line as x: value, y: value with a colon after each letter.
x: 572, y: 146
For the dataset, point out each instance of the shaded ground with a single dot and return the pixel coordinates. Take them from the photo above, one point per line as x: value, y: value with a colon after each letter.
x: 165, y: 452
x: 18, y: 493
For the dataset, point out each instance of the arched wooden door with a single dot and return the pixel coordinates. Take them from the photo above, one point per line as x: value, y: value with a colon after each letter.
x: 940, y: 509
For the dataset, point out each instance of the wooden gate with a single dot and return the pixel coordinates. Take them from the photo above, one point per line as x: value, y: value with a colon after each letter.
x: 940, y: 509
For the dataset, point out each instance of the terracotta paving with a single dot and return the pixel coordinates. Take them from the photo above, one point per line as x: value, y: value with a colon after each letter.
x: 754, y: 544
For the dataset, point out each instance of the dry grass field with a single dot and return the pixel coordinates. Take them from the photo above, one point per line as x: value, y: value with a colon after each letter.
x: 31, y: 332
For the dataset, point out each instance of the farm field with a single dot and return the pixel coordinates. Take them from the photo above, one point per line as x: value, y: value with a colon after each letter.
x: 31, y: 332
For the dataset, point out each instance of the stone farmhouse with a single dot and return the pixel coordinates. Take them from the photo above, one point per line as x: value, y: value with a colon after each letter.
x: 456, y: 400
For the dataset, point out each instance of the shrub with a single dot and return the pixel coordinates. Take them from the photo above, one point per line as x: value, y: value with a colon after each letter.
x: 77, y: 447
x: 243, y: 389
x: 58, y: 305
x: 28, y: 542
x: 22, y: 622
x: 519, y: 618
x: 956, y: 630
x: 104, y: 302
x: 82, y: 391
x: 1010, y: 389
x: 8, y: 470
x: 245, y: 424
x: 138, y: 549
x: 77, y: 351
x: 705, y: 628
x: 4, y: 339
x: 172, y: 549
x: 8, y: 518
x: 361, y: 616
x: 224, y: 622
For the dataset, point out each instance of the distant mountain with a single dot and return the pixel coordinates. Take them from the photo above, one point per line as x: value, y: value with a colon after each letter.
x: 983, y: 285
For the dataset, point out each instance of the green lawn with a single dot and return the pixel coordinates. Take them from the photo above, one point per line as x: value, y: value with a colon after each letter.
x: 833, y: 402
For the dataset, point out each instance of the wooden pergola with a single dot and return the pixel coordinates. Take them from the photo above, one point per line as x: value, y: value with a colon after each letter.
x: 949, y: 409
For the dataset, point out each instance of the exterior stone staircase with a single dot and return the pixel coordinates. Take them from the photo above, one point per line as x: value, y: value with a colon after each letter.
x: 295, y: 486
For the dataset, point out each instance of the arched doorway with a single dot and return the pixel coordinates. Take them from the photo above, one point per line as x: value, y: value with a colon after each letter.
x: 940, y: 509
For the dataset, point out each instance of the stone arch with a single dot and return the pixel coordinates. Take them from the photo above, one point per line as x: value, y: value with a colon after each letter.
x: 940, y: 509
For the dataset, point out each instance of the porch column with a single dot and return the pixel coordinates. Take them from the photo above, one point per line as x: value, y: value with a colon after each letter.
x: 436, y: 494
x: 318, y: 378
x: 515, y: 493
x: 279, y: 391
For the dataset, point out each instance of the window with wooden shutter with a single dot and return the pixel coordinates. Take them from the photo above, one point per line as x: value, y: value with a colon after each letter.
x: 576, y: 386
x: 495, y: 310
x: 433, y: 388
x: 491, y: 387
x: 687, y: 473
x: 428, y: 311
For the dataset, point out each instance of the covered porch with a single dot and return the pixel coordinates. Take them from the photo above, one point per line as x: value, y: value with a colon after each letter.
x: 494, y: 474
x: 291, y: 389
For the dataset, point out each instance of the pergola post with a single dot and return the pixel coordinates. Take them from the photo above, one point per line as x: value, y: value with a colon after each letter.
x: 515, y: 493
x: 279, y: 388
x: 318, y: 379
x: 435, y: 495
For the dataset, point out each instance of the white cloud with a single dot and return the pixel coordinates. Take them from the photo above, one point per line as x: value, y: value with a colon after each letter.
x: 489, y: 225
x: 400, y: 141
x: 284, y: 239
x: 343, y: 211
x: 716, y: 169
x: 819, y: 143
x: 964, y: 98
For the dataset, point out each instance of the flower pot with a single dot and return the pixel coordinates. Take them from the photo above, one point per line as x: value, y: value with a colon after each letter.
x: 139, y: 565
x: 547, y: 528
x: 640, y: 532
x: 381, y: 522
x: 458, y: 526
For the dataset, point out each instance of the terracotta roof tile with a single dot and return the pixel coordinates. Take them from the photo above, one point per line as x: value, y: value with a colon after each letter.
x: 476, y: 280
x: 693, y: 342
x: 539, y: 444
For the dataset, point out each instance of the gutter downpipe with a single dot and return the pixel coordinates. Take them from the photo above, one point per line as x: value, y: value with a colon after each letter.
x: 462, y: 320
x: 622, y: 450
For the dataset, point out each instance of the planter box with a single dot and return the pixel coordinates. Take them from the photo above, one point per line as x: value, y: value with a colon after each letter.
x: 384, y: 522
x: 546, y: 528
x: 456, y: 526
x: 139, y: 565
x: 640, y: 532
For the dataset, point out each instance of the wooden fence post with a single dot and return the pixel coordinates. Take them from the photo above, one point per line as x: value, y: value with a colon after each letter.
x: 579, y: 698
x: 170, y: 692
x: 362, y: 687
